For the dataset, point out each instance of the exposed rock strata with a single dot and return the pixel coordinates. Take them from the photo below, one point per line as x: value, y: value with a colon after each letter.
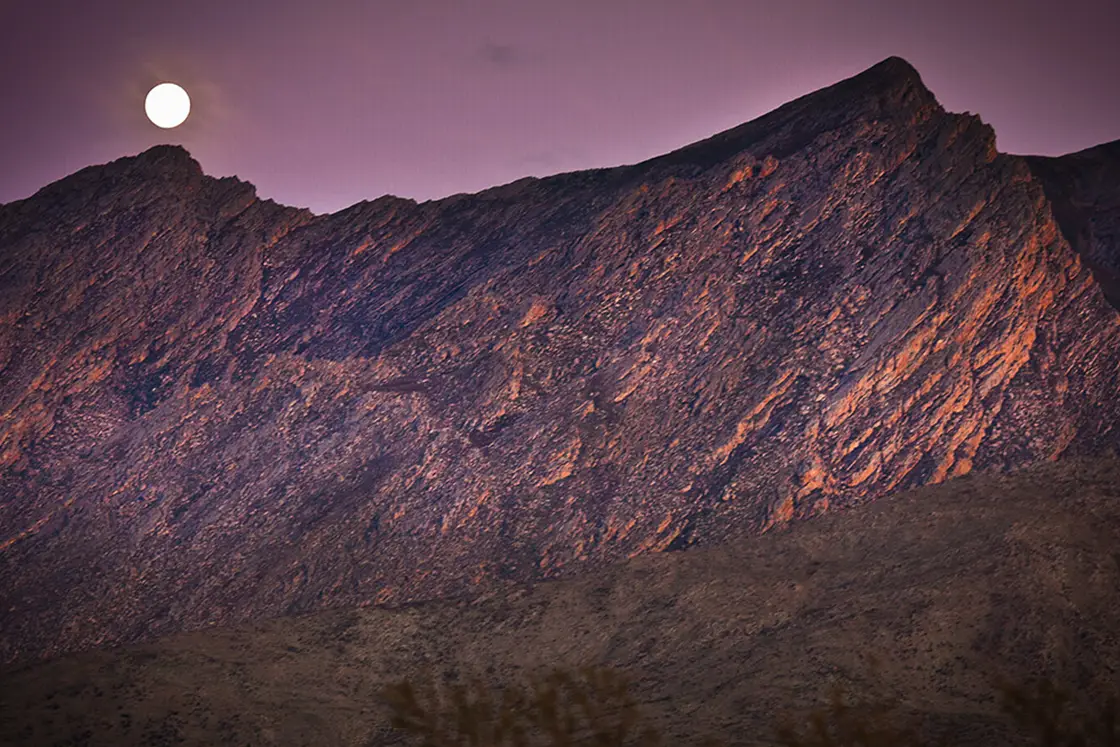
x: 215, y: 408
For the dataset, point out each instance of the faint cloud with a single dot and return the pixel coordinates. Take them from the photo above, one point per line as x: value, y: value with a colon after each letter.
x: 503, y: 56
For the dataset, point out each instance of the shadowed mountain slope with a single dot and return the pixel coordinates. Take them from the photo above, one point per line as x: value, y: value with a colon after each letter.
x: 947, y: 585
x: 214, y: 408
x: 1084, y: 189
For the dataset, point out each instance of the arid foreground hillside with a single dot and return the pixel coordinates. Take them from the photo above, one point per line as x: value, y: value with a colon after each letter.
x: 1015, y: 575
x: 216, y: 409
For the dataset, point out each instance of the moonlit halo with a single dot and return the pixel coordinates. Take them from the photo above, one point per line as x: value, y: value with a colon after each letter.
x: 167, y: 105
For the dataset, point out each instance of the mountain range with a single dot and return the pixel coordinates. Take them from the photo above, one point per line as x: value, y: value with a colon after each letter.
x: 215, y: 409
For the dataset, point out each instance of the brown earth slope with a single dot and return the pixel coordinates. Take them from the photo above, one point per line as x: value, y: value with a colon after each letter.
x: 1017, y: 575
x: 214, y: 408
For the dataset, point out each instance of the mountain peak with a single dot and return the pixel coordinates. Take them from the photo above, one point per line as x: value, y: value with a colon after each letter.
x: 889, y: 90
x: 895, y: 68
x: 892, y: 84
x: 896, y: 74
x: 164, y: 160
x: 167, y: 153
x: 164, y: 163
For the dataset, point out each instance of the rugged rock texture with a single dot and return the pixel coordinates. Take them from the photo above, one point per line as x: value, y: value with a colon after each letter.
x: 215, y: 408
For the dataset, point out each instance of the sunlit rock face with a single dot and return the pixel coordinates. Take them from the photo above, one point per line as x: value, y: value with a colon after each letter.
x: 214, y: 408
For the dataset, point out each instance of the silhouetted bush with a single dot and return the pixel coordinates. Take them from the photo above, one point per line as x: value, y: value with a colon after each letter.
x: 589, y: 707
x: 594, y: 707
x: 843, y: 724
x: 1049, y: 713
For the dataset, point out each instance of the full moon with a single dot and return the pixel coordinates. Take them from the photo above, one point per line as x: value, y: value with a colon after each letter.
x: 167, y: 105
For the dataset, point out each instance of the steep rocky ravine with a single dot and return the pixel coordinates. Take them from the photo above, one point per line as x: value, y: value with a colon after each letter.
x: 214, y: 408
x: 1084, y: 191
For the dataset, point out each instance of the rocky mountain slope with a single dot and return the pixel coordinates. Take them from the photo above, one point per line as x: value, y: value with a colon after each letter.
x: 214, y: 408
x: 947, y: 585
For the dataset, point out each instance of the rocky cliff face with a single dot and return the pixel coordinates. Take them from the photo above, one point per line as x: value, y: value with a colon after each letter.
x: 216, y: 408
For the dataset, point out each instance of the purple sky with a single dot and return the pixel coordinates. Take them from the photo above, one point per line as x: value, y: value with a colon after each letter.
x: 322, y: 103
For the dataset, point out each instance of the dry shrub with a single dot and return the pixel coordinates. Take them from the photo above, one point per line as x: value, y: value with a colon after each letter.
x: 593, y: 707
x: 1051, y: 715
x: 589, y: 707
x: 866, y: 722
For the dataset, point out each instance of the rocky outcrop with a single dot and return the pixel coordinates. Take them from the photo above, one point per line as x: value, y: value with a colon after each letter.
x: 215, y: 408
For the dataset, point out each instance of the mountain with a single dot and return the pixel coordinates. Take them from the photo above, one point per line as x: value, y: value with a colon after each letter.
x: 215, y: 409
x: 947, y: 585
